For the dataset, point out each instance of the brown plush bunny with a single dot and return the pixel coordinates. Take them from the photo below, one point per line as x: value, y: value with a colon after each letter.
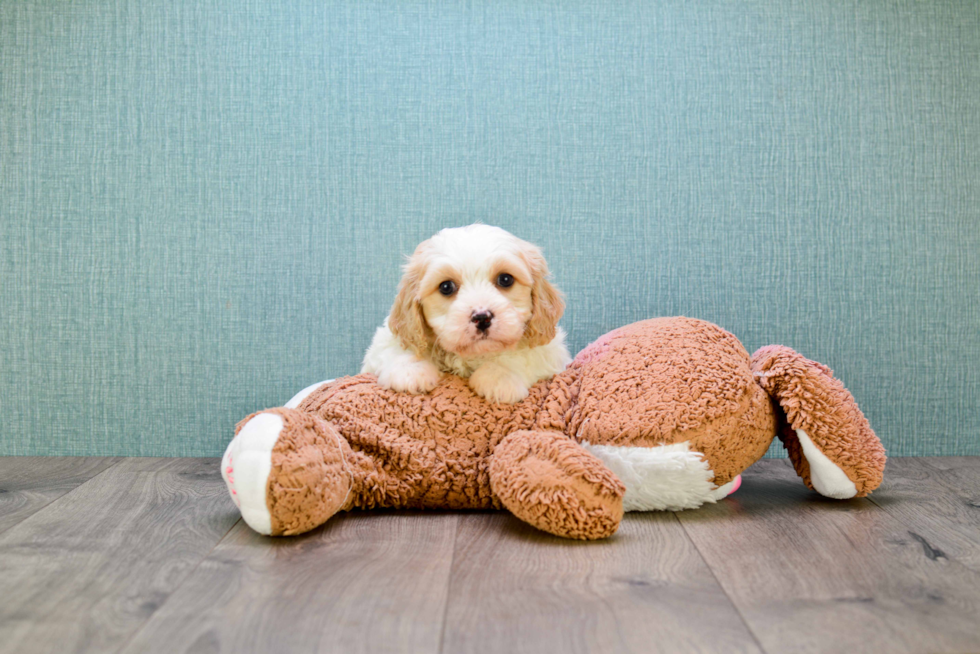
x: 660, y: 414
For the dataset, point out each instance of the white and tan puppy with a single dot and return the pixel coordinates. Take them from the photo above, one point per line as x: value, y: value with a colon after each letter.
x: 475, y: 302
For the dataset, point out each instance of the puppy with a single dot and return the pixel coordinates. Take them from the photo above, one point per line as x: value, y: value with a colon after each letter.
x: 475, y: 302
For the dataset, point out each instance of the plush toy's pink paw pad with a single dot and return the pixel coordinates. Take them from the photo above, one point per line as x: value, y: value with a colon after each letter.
x: 736, y: 483
x: 229, y: 475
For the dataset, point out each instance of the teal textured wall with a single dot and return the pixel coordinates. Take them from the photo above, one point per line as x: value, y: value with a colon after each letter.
x: 203, y: 205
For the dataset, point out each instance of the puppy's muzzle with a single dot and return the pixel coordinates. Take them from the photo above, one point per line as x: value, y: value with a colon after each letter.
x: 482, y: 320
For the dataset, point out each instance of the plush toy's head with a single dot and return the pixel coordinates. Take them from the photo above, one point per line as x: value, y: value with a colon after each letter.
x: 669, y: 381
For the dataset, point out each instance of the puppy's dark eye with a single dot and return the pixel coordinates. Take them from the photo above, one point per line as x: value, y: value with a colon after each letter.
x: 504, y: 280
x: 448, y: 287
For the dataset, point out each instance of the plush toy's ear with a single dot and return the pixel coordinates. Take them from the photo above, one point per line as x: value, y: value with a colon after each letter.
x: 405, y: 320
x: 547, y: 304
x: 829, y: 440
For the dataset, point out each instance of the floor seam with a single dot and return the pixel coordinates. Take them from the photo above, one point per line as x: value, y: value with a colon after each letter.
x: 714, y: 576
x: 449, y: 584
x: 44, y: 507
x: 738, y: 611
x: 187, y: 576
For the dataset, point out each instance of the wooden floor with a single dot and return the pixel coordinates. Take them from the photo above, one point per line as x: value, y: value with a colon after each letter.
x: 149, y: 555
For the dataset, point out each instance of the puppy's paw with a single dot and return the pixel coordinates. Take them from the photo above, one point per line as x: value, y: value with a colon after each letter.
x: 410, y: 377
x: 498, y: 384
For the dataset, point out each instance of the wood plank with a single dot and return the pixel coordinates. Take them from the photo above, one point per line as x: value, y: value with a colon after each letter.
x: 364, y: 582
x: 85, y: 573
x: 959, y: 468
x: 939, y: 502
x: 29, y: 483
x: 811, y: 574
x: 960, y: 474
x: 516, y: 589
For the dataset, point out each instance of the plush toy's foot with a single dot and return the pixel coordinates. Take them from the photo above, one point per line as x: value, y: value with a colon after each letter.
x: 829, y: 440
x: 287, y: 471
x: 245, y: 468
x: 660, y: 478
x: 552, y: 483
x: 725, y: 490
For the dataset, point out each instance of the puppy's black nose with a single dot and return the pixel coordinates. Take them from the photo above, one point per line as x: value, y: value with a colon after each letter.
x: 482, y: 320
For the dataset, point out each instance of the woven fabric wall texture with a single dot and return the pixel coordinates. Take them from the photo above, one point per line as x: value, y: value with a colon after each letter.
x: 204, y: 205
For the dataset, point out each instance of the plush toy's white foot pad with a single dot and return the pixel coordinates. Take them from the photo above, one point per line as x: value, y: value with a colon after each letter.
x: 662, y: 478
x: 827, y: 478
x: 246, y: 465
x: 725, y: 490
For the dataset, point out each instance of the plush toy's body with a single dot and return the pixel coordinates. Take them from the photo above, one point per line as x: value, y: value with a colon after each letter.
x: 660, y: 414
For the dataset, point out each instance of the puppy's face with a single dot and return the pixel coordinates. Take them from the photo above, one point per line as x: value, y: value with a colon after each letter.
x: 475, y: 290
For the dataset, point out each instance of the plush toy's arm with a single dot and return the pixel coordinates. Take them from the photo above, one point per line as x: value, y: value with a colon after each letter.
x: 549, y: 481
x: 288, y: 471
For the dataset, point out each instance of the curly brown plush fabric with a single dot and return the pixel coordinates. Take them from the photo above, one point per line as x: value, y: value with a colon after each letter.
x: 548, y: 481
x: 670, y: 380
x: 309, y: 480
x: 667, y: 381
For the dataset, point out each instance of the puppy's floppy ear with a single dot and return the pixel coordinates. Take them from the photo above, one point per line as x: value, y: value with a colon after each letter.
x: 405, y: 320
x: 547, y: 304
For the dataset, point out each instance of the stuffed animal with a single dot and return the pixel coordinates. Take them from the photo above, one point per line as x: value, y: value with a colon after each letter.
x: 662, y: 414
